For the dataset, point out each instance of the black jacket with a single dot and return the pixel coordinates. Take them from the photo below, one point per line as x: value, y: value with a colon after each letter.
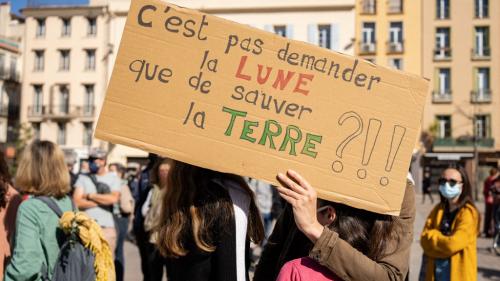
x: 219, y: 265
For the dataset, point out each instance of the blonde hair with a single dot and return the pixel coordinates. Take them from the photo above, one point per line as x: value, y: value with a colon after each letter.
x: 43, y: 171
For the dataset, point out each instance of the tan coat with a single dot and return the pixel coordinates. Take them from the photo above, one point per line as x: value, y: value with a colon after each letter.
x: 8, y: 226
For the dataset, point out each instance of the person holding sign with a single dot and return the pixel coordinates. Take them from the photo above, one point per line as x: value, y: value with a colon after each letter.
x: 449, y: 238
x: 299, y: 233
x: 205, y: 226
x: 365, y: 231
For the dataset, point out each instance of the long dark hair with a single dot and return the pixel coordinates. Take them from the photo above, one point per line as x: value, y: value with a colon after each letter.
x: 191, y: 208
x: 365, y: 231
x: 5, y: 180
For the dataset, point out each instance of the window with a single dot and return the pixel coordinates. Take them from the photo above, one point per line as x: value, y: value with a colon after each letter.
x: 280, y: 30
x: 61, y: 133
x: 63, y: 99
x: 444, y: 82
x: 88, y: 103
x: 92, y: 27
x: 87, y: 133
x: 39, y: 60
x: 324, y: 36
x: 482, y: 92
x: 396, y: 63
x: 40, y: 27
x: 395, y: 6
x: 2, y: 65
x: 443, y: 50
x: 13, y: 68
x: 482, y: 41
x: 443, y: 9
x: 482, y: 126
x: 396, y: 37
x: 37, y: 99
x: 369, y: 7
x: 444, y: 126
x: 36, y: 130
x: 64, y: 60
x: 368, y: 37
x: 66, y: 27
x: 481, y: 8
x: 90, y: 59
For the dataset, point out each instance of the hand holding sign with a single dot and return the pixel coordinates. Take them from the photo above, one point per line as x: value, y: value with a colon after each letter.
x: 228, y: 97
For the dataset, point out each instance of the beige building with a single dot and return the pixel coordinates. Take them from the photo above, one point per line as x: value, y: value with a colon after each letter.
x: 11, y: 31
x: 461, y: 54
x: 70, y: 53
x: 388, y: 32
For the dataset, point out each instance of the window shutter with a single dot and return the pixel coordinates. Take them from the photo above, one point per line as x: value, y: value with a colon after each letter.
x: 289, y: 31
x: 475, y: 78
x: 312, y: 34
x: 335, y: 37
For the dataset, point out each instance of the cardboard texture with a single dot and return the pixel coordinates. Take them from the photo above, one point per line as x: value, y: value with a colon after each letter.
x: 229, y: 97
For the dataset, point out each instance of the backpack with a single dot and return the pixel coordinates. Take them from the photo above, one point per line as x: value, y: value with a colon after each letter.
x: 75, y: 262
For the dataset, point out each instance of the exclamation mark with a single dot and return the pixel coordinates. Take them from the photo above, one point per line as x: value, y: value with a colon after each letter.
x: 370, y: 141
x: 397, y: 138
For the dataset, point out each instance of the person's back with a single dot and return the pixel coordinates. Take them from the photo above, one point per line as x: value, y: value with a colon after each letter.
x: 37, y: 240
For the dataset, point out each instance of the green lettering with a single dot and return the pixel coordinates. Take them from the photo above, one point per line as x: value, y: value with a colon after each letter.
x: 234, y: 113
x: 268, y: 134
x: 309, y: 146
x: 289, y: 139
x: 248, y: 130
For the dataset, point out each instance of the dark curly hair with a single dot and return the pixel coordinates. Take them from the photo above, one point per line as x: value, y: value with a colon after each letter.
x: 5, y: 180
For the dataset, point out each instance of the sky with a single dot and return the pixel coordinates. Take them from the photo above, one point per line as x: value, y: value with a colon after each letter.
x: 19, y: 4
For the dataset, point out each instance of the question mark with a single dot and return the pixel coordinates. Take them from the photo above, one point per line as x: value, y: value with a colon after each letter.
x: 337, y: 165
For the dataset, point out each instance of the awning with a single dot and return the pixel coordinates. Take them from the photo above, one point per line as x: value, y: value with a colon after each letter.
x: 449, y: 156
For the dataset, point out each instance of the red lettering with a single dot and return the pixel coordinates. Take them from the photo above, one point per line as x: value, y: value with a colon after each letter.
x: 261, y: 80
x: 281, y: 81
x: 243, y: 61
x: 302, y: 82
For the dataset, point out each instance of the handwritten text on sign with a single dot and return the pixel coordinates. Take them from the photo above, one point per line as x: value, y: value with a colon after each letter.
x: 229, y: 97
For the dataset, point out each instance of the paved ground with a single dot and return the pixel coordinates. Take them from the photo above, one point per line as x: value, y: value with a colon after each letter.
x: 488, y: 262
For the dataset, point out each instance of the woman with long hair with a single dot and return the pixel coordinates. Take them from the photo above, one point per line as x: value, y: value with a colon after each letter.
x: 365, y: 231
x: 207, y: 220
x: 9, y: 202
x: 42, y: 171
x: 450, y: 233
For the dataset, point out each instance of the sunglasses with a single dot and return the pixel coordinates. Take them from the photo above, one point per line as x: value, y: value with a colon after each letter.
x: 452, y: 182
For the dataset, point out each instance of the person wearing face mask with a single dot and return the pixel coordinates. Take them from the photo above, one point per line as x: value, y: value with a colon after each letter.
x: 97, y: 192
x: 449, y: 238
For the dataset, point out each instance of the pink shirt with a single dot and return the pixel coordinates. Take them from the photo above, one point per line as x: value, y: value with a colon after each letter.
x: 305, y: 269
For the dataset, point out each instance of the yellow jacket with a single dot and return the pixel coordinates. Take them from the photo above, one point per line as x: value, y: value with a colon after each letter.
x: 459, y: 247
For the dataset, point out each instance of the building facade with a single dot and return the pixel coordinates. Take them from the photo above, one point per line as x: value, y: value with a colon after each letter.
x: 11, y: 31
x: 461, y: 54
x: 388, y: 32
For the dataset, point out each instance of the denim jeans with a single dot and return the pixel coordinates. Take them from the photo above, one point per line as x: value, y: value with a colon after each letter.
x: 442, y: 269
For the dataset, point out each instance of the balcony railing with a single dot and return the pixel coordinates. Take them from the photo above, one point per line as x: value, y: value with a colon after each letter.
x: 61, y: 111
x: 464, y: 142
x: 443, y: 53
x: 481, y: 53
x: 368, y: 7
x: 480, y: 96
x: 4, y: 110
x: 367, y: 48
x: 395, y: 47
x: 441, y: 97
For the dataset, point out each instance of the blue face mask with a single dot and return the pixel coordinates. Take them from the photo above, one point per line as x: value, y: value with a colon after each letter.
x: 93, y: 167
x: 450, y: 192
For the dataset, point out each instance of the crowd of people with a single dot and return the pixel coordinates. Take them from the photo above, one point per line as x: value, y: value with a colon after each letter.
x: 192, y: 223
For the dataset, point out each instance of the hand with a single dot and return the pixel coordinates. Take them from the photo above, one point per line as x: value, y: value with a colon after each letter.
x: 302, y: 196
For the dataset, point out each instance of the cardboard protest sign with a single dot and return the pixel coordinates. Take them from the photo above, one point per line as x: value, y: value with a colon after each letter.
x: 226, y: 96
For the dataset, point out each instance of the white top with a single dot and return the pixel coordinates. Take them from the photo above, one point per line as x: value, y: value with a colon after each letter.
x: 241, y: 206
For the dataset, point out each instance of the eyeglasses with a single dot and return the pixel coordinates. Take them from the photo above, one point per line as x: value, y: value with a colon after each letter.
x: 321, y: 209
x: 452, y: 182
